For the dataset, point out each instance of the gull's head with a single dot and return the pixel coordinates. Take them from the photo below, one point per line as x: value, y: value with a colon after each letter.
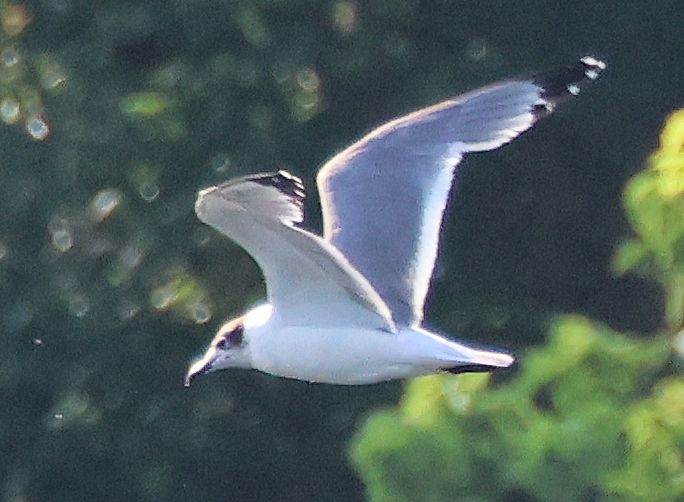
x: 228, y: 349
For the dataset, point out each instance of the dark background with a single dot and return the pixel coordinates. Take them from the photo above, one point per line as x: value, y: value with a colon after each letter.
x: 91, y: 360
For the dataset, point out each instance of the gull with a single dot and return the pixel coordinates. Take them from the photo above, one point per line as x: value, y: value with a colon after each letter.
x: 347, y: 307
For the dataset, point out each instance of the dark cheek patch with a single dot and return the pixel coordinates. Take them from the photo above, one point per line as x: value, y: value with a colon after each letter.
x: 235, y: 336
x: 232, y: 339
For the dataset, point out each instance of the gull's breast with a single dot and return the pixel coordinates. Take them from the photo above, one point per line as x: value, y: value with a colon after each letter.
x: 338, y: 355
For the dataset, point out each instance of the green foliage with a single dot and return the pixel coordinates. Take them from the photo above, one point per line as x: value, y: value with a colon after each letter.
x: 585, y: 415
x: 592, y: 414
x: 654, y: 200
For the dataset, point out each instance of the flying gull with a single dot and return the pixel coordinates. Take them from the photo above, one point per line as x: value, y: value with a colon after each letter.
x: 347, y: 307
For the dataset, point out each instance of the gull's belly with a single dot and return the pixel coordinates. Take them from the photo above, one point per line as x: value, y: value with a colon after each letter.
x: 349, y: 356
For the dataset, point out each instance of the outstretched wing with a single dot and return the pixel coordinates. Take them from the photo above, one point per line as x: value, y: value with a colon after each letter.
x: 383, y: 197
x: 308, y: 281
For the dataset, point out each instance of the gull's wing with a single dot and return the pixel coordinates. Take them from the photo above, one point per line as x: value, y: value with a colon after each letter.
x: 308, y: 281
x: 383, y: 197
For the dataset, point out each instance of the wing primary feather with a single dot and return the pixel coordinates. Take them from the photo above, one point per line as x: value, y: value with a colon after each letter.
x: 285, y: 182
x: 285, y: 199
x: 565, y: 82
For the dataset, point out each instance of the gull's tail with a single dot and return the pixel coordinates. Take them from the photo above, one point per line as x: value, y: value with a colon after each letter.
x: 442, y: 354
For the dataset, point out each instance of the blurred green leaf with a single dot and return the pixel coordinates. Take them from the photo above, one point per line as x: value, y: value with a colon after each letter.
x: 560, y: 430
x: 654, y: 202
x: 145, y: 104
x: 184, y: 294
x: 629, y: 256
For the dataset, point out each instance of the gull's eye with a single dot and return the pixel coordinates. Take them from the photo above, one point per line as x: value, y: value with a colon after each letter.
x: 230, y: 339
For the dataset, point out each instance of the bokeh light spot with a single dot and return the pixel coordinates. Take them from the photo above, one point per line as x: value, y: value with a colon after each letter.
x: 345, y: 16
x: 128, y: 310
x: 9, y: 57
x: 37, y: 128
x: 78, y: 306
x: 252, y: 26
x: 14, y: 18
x: 52, y: 76
x: 9, y: 110
x: 104, y: 203
x: 308, y: 80
x: 164, y: 297
x: 200, y: 312
x: 148, y: 191
x: 220, y: 163
x: 476, y: 49
x: 61, y: 235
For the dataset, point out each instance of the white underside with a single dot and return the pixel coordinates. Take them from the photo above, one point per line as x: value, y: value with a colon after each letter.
x: 358, y: 356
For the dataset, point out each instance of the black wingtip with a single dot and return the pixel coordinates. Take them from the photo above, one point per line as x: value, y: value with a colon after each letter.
x: 564, y: 82
x: 285, y: 182
x: 475, y: 368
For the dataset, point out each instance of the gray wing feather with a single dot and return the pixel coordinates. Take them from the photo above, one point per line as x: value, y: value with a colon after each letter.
x: 383, y: 197
x: 309, y: 282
